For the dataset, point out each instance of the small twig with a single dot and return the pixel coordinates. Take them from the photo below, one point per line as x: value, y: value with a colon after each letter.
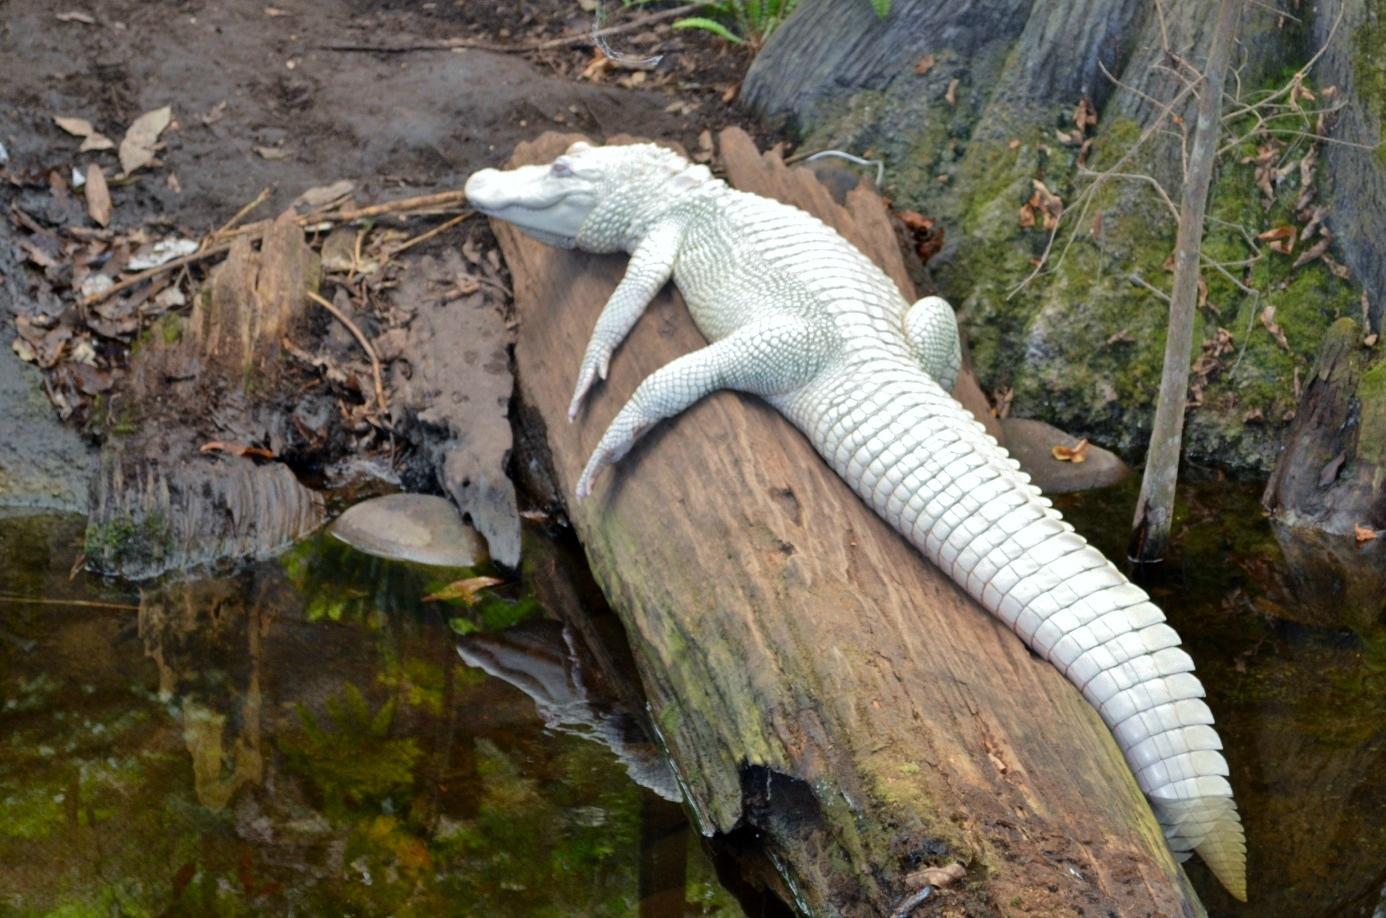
x: 361, y: 340
x: 1142, y: 282
x: 239, y: 216
x: 1091, y: 189
x: 419, y: 202
x: 912, y: 902
x: 402, y: 205
x: 155, y: 271
x: 1137, y: 177
x: 87, y: 603
x: 424, y: 237
x: 562, y: 41
x: 1299, y: 74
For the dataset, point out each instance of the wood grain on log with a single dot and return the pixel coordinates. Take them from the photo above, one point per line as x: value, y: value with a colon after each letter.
x: 809, y: 672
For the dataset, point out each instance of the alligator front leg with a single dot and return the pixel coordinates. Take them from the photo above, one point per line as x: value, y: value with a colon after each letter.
x: 651, y: 265
x: 768, y: 357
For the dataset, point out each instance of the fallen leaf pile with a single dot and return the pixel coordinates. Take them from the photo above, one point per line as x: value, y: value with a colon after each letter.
x: 97, y: 284
x: 925, y: 232
x: 1043, y: 208
x: 1208, y: 365
x: 1084, y: 119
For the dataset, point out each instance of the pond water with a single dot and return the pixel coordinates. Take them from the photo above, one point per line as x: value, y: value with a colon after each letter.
x: 310, y: 736
x: 304, y: 737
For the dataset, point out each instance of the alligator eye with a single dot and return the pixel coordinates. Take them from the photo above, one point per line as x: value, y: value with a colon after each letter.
x: 560, y: 169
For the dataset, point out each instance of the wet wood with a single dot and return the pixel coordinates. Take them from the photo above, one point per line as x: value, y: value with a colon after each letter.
x: 161, y: 502
x: 810, y: 673
x: 1328, y: 483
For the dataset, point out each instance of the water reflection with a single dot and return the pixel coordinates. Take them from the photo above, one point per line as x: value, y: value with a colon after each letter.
x: 1302, y: 710
x: 304, y: 737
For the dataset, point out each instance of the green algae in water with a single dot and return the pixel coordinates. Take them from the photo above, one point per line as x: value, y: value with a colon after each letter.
x: 301, y: 737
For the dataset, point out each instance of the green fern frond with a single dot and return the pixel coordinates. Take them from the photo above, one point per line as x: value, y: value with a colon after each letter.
x: 709, y: 25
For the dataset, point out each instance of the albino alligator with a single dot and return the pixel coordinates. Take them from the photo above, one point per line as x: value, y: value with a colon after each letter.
x: 799, y: 317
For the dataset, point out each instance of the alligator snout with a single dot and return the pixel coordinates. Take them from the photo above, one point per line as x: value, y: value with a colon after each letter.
x: 484, y: 190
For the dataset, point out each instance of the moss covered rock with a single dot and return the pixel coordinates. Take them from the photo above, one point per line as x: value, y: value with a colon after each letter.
x: 982, y: 116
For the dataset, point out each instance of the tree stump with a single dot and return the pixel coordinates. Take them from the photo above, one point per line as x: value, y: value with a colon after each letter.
x: 809, y: 673
x: 1328, y: 486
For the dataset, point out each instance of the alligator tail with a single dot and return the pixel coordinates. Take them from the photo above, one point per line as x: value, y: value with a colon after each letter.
x: 930, y: 469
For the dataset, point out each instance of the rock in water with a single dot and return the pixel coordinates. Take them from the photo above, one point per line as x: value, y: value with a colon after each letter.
x: 44, y: 465
x: 411, y: 527
x: 1031, y: 444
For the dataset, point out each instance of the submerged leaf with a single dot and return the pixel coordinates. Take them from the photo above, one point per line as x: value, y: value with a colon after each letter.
x: 464, y: 590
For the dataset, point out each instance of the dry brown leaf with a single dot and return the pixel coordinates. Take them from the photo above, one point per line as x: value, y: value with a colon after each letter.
x: 729, y: 94
x: 1339, y: 269
x: 1084, y: 115
x: 1281, y: 238
x: 1013, y: 143
x: 1370, y: 340
x: 92, y: 139
x: 235, y: 449
x: 937, y: 877
x: 98, y: 196
x: 1315, y: 251
x: 1027, y: 216
x: 1268, y: 320
x: 464, y: 590
x: 925, y: 64
x: 1363, y: 533
x: 137, y: 148
x: 213, y: 114
x: 1076, y: 453
x: 1046, y: 202
x: 25, y: 350
x: 950, y: 95
x: 1001, y: 401
x: 596, y: 68
x: 323, y: 195
x: 916, y: 221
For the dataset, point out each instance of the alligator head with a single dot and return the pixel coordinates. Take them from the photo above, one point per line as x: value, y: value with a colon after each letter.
x: 598, y: 199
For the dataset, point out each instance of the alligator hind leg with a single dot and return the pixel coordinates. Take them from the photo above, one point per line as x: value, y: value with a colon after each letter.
x: 932, y: 330
x: 767, y: 357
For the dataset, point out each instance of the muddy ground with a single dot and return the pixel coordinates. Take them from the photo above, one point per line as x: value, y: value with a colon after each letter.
x: 267, y: 102
x: 395, y: 123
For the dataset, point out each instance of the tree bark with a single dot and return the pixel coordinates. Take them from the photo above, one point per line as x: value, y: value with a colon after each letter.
x: 809, y: 673
x: 1155, y: 507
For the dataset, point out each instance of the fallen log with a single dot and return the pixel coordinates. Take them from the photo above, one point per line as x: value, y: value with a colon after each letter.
x: 809, y: 673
